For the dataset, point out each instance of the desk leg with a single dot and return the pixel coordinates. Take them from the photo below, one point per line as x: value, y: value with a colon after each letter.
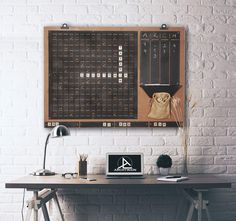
x: 199, y: 206
x: 197, y: 203
x: 45, y: 212
x: 29, y: 211
x: 35, y: 206
x: 39, y: 200
x: 190, y: 212
x: 208, y: 214
x: 58, y: 207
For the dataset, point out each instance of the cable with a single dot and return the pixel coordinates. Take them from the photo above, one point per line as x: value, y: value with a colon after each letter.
x: 23, y: 205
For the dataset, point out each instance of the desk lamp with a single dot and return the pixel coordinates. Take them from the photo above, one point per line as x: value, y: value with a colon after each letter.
x: 58, y: 131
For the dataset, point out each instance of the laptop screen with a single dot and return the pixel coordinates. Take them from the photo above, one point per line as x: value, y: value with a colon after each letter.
x: 124, y: 164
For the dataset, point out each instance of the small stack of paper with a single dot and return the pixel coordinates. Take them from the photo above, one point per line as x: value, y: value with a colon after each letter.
x: 172, y: 178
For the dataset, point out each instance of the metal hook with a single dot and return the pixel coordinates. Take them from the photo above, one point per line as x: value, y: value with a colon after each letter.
x: 64, y: 26
x: 164, y: 27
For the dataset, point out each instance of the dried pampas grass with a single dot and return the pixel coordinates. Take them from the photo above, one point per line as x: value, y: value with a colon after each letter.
x: 178, y: 113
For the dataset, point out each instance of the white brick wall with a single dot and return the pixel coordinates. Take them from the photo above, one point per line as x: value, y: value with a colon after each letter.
x: 211, y: 80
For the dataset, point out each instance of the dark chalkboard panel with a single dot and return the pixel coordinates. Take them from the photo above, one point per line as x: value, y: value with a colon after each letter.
x: 105, y: 76
x: 92, y: 75
x: 160, y: 57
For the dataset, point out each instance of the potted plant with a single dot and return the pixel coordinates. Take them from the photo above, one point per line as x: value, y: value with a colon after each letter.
x: 164, y: 163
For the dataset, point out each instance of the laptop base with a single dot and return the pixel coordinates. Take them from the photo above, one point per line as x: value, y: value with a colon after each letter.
x: 125, y: 177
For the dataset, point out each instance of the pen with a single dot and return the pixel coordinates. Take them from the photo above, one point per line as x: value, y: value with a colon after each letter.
x: 170, y: 177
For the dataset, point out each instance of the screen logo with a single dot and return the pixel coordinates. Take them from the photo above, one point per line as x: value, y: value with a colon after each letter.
x: 125, y: 164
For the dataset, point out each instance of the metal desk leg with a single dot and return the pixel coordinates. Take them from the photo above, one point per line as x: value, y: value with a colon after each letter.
x: 190, y: 212
x: 199, y: 206
x: 58, y: 207
x: 35, y: 198
x: 208, y: 214
x: 45, y: 212
x: 39, y: 200
x: 202, y: 204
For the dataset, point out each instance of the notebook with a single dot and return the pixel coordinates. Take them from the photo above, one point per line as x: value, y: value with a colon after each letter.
x: 124, y: 165
x: 172, y: 178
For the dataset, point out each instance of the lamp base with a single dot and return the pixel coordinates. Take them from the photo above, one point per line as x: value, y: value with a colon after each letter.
x: 43, y: 172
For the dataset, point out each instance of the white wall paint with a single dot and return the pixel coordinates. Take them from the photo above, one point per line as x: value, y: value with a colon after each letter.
x: 211, y: 59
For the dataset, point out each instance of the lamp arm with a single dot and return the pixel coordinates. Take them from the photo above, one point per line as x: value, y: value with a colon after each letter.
x: 45, y: 148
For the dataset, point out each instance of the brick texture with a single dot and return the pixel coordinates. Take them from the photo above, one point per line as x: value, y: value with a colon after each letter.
x: 210, y: 47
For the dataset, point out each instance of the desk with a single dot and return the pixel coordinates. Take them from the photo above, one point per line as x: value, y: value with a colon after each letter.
x: 44, y: 189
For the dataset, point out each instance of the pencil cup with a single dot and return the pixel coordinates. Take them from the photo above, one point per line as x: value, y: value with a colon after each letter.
x: 83, y: 168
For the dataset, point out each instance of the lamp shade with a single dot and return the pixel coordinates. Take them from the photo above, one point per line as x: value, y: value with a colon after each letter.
x: 60, y: 131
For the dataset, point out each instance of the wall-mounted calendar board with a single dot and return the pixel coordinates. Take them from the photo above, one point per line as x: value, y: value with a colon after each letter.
x: 112, y: 76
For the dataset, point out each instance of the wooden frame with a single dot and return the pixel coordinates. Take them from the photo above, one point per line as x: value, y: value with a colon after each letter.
x: 143, y: 98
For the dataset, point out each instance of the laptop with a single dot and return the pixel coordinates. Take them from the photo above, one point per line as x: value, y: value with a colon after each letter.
x: 124, y: 165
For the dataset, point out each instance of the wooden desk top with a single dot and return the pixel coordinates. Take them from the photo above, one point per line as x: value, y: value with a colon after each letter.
x: 54, y: 182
